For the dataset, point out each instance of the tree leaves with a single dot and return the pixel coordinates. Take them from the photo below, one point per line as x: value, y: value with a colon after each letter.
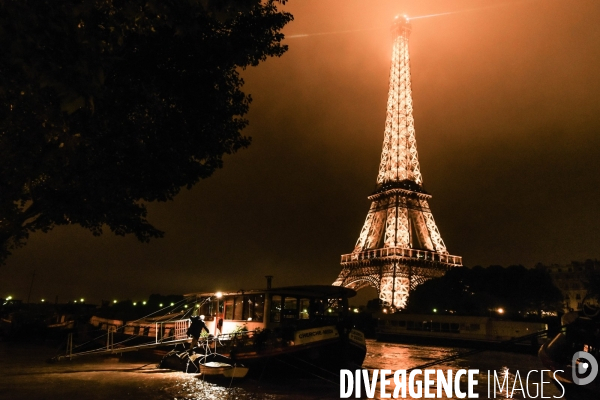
x: 105, y: 105
x: 478, y: 291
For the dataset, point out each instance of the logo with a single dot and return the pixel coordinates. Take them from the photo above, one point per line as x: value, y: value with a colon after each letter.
x: 584, y: 372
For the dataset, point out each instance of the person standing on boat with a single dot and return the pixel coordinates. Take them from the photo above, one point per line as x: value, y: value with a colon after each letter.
x: 197, y: 325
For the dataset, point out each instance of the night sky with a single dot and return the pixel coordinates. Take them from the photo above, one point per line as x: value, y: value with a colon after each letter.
x: 507, y: 117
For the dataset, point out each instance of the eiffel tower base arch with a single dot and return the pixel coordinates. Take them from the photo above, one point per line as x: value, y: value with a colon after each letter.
x: 393, y: 281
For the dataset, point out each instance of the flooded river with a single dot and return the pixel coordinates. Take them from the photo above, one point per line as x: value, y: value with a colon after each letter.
x: 25, y: 374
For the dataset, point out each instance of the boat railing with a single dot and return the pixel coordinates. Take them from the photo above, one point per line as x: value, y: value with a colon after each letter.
x: 171, y: 330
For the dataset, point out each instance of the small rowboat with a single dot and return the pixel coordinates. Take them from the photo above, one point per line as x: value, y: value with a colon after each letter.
x: 213, y: 368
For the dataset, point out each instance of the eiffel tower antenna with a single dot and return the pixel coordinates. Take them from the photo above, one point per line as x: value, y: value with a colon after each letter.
x: 399, y: 246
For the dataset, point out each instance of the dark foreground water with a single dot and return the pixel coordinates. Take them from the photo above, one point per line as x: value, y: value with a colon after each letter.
x: 25, y: 374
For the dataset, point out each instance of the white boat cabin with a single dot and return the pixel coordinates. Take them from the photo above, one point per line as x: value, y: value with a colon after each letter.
x: 301, y: 306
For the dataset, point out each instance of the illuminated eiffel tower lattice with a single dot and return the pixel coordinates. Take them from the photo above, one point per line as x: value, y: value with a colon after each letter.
x: 399, y: 246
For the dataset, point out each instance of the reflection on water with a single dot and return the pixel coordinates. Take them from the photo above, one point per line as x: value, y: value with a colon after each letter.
x: 399, y: 356
x: 24, y: 374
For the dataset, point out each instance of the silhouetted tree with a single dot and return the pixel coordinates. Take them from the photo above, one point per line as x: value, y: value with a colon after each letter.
x: 106, y: 105
x: 374, y: 305
x: 480, y: 291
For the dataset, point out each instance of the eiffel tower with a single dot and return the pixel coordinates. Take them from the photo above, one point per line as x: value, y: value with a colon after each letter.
x: 399, y: 246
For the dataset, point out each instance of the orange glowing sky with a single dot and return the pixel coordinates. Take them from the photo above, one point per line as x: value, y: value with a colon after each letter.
x: 507, y: 118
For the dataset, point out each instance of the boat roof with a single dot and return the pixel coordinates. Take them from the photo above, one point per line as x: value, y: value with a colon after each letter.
x: 304, y: 290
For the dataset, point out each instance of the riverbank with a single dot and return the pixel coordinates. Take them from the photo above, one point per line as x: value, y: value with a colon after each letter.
x: 25, y: 374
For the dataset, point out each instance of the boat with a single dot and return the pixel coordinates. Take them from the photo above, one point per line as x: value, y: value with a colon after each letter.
x: 37, y: 321
x: 226, y: 370
x: 579, y: 333
x: 300, y: 328
x: 147, y: 330
x: 467, y: 331
x: 304, y: 328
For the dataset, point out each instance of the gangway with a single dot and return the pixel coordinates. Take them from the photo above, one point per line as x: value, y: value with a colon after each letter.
x: 118, y: 350
x: 177, y: 335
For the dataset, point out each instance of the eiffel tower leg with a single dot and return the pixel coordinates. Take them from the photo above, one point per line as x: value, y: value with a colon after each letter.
x: 394, y: 286
x: 394, y: 280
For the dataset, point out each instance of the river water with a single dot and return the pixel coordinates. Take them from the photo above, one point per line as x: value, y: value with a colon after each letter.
x: 25, y: 374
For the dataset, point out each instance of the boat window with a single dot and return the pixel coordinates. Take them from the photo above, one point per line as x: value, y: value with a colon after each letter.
x: 475, y: 327
x: 304, y: 307
x: 276, y: 308
x: 238, y: 308
x: 290, y: 308
x: 258, y: 309
x: 317, y: 307
x: 146, y: 331
x: 445, y: 327
x: 136, y: 330
x: 454, y: 328
x: 248, y: 307
x: 204, y: 308
x: 435, y: 326
x: 228, y: 303
x: 401, y: 323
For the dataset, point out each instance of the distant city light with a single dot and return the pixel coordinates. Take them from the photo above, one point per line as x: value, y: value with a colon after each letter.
x: 160, y: 305
x: 172, y: 304
x: 435, y: 310
x: 9, y: 298
x: 75, y: 301
x: 43, y: 300
x: 356, y: 310
x: 500, y: 311
x: 185, y: 306
x: 219, y: 295
x: 81, y: 300
x: 114, y: 301
x: 197, y: 305
x: 135, y: 303
x: 143, y: 302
